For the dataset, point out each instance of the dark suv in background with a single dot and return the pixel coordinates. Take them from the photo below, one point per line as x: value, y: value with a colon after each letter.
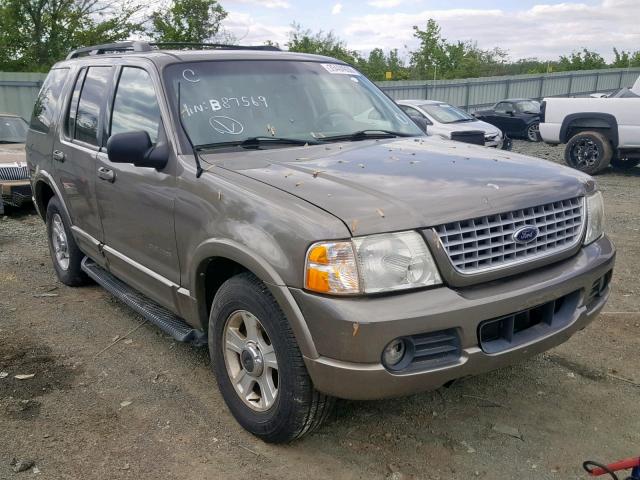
x: 279, y: 208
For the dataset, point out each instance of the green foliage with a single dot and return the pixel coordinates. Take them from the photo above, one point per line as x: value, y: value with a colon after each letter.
x: 320, y: 43
x: 34, y: 34
x: 188, y: 21
x: 583, y: 60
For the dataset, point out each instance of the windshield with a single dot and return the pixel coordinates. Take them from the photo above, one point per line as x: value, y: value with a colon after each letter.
x: 528, y: 106
x: 445, y: 113
x: 12, y: 130
x: 231, y: 101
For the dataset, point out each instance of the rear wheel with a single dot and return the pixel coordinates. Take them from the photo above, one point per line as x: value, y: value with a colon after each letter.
x: 624, y: 163
x: 258, y: 365
x: 589, y: 152
x: 533, y: 132
x: 65, y: 253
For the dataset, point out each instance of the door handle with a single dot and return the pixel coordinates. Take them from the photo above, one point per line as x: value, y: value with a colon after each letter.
x: 107, y: 174
x: 58, y: 155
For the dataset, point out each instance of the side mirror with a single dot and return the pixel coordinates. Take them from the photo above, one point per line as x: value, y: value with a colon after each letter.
x: 136, y: 148
x: 510, y: 112
x: 421, y: 122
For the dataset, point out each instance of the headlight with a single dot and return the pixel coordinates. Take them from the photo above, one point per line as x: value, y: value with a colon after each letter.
x: 595, y: 218
x: 371, y: 264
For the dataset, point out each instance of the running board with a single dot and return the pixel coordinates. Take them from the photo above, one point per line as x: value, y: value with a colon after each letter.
x: 151, y: 311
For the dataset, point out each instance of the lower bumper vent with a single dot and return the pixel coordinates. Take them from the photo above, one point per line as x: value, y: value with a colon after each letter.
x: 507, y: 332
x: 598, y: 288
x: 426, y: 351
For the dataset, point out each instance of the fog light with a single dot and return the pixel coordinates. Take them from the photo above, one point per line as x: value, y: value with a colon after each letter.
x: 394, y: 352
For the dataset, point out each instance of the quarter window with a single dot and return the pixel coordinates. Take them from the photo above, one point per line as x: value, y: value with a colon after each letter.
x: 90, y: 104
x: 136, y: 106
x: 46, y: 106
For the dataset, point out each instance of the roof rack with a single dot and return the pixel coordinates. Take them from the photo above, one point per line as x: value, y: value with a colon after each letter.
x: 142, y: 46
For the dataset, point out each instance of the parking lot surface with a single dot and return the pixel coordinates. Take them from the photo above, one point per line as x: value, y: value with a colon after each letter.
x: 111, y: 398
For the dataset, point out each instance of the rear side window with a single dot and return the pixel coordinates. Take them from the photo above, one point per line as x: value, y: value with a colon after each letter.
x: 48, y: 102
x: 504, y: 107
x: 94, y: 91
x: 135, y: 106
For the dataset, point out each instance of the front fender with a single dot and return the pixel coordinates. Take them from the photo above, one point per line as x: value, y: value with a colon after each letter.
x: 261, y: 268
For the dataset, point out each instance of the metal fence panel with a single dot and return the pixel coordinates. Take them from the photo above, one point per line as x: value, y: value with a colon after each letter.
x: 18, y: 90
x: 477, y: 93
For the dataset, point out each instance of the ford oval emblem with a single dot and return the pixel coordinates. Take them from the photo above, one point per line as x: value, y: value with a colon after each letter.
x: 526, y: 234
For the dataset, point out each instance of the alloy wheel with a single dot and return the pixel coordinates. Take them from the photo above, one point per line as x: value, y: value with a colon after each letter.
x: 59, y: 242
x: 533, y: 132
x: 585, y: 153
x: 251, y: 360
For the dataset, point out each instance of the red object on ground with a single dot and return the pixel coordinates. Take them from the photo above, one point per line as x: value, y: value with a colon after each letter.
x: 614, y: 467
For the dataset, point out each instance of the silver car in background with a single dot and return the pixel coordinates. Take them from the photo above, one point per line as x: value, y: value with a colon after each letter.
x: 443, y: 119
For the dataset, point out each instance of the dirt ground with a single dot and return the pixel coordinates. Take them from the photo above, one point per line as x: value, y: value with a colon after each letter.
x: 148, y: 407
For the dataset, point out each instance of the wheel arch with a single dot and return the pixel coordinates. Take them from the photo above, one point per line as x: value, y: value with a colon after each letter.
x: 604, y: 123
x: 44, y: 189
x: 217, y: 260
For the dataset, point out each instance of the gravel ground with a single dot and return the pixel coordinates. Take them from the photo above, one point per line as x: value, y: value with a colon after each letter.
x: 148, y: 408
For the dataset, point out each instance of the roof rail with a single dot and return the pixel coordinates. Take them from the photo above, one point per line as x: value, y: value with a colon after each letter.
x: 216, y: 46
x: 128, y: 46
x: 142, y: 46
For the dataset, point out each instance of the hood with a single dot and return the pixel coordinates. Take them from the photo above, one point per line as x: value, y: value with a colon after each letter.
x: 12, y: 154
x: 378, y: 186
x: 448, y: 128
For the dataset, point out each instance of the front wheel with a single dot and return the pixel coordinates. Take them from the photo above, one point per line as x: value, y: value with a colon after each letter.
x: 589, y: 152
x: 258, y: 365
x: 533, y: 132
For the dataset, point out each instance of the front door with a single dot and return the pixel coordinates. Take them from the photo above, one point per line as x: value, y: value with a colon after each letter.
x: 74, y: 156
x: 136, y: 203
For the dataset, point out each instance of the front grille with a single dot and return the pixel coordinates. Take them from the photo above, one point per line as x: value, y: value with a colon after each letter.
x: 507, y: 332
x: 14, y: 173
x: 487, y: 243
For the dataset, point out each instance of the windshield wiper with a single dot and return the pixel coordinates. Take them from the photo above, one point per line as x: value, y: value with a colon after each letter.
x: 254, y: 142
x: 462, y: 120
x: 365, y: 134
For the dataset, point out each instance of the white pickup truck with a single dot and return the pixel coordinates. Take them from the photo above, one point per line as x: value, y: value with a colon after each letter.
x: 597, y: 131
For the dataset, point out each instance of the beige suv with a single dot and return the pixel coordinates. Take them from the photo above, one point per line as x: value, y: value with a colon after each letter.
x: 280, y: 209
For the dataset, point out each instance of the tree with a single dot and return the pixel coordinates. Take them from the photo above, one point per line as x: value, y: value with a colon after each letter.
x: 582, y: 60
x: 36, y: 33
x: 320, y: 43
x: 425, y: 60
x: 188, y: 21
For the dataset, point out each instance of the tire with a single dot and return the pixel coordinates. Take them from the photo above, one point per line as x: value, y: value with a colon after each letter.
x: 297, y: 408
x: 533, y: 132
x: 60, y: 239
x: 590, y: 152
x: 624, y: 163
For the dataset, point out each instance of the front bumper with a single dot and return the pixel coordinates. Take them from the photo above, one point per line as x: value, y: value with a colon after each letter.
x: 15, y: 192
x: 351, y: 333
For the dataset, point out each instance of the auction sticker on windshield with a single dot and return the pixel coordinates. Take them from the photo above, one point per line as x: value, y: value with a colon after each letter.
x: 340, y: 69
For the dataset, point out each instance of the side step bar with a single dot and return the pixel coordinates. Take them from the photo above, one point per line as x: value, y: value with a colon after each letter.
x: 151, y: 311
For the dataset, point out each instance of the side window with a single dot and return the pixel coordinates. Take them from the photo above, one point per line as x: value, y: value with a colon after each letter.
x: 414, y: 113
x: 70, y: 121
x: 48, y: 101
x: 135, y: 106
x: 504, y: 107
x: 90, y: 104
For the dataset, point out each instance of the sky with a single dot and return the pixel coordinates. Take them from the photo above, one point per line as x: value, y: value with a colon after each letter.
x: 524, y: 28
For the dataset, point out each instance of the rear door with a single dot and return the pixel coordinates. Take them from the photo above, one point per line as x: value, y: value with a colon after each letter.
x: 137, y: 203
x: 74, y: 155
